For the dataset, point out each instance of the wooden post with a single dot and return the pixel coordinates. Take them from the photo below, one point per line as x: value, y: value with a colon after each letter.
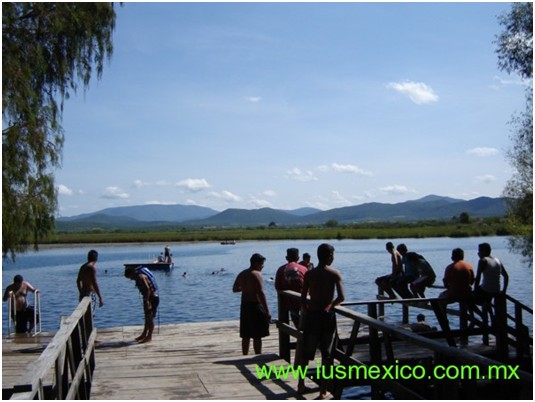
x: 463, y: 322
x: 500, y: 327
x: 284, y: 338
x: 375, y: 343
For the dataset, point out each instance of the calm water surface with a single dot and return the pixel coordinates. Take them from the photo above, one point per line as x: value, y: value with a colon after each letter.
x: 204, y: 296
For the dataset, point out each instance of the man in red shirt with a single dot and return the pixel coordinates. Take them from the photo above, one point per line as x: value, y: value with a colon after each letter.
x: 291, y: 276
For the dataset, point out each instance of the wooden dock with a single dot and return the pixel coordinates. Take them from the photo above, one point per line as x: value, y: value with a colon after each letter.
x: 183, y: 361
x: 204, y: 360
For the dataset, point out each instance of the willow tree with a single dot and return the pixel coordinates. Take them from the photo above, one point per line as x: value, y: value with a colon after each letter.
x: 515, y: 55
x: 49, y: 50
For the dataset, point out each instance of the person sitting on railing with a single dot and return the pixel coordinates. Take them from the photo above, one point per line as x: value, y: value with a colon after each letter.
x: 410, y: 273
x: 426, y: 275
x: 386, y: 282
x: 24, y: 313
x: 458, y: 277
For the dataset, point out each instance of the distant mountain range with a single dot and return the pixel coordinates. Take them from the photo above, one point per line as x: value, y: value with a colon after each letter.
x: 431, y: 207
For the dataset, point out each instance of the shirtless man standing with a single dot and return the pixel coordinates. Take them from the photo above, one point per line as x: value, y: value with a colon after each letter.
x: 87, y: 278
x: 254, y: 311
x: 320, y: 317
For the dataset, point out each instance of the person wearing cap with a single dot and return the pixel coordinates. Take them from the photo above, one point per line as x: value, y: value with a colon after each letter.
x: 24, y: 313
x: 291, y: 276
x: 254, y: 311
x: 146, y: 284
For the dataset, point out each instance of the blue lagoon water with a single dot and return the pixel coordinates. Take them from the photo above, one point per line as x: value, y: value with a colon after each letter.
x: 204, y: 296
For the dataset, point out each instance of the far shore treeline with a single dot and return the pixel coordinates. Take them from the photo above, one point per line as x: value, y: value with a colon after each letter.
x: 330, y: 230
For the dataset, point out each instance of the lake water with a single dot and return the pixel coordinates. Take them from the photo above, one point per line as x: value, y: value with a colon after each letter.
x: 202, y: 296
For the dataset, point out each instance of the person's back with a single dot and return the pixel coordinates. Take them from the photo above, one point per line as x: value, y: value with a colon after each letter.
x: 322, y: 281
x: 87, y: 278
x: 320, y: 327
x: 489, y: 271
x: 291, y: 276
x: 491, y: 275
x: 458, y: 277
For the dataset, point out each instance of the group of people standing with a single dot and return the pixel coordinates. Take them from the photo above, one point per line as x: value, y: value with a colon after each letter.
x: 321, y: 290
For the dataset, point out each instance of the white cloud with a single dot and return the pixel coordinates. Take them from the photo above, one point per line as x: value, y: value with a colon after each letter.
x: 482, y: 151
x: 114, y: 193
x: 193, y: 185
x: 350, y: 169
x: 259, y: 203
x: 253, y: 99
x: 226, y: 196
x: 299, y: 175
x: 339, y: 199
x: 154, y: 202
x: 395, y: 189
x: 486, y: 178
x: 418, y: 92
x: 64, y: 190
x: 269, y: 193
x: 139, y: 183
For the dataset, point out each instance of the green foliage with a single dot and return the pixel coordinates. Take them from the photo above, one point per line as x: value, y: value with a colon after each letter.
x: 464, y: 218
x: 383, y: 230
x: 515, y: 54
x: 47, y: 48
x: 515, y: 43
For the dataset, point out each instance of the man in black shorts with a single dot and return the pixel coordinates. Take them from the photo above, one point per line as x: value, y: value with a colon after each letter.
x: 254, y: 311
x: 320, y: 318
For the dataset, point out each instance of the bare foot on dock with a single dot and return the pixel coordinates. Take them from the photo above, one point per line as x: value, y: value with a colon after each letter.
x: 145, y: 340
x: 326, y: 395
x: 140, y: 337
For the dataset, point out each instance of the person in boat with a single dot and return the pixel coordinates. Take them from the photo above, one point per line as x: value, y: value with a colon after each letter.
x: 385, y: 282
x: 489, y: 271
x: 458, y: 277
x: 146, y: 284
x: 319, y: 327
x: 22, y: 313
x: 87, y: 280
x: 291, y: 276
x: 167, y: 254
x: 254, y: 310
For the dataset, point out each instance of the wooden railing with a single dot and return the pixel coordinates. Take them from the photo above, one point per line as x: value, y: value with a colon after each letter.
x: 65, y: 368
x: 381, y: 338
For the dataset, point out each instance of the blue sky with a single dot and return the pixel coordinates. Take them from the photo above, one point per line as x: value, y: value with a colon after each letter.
x: 289, y: 105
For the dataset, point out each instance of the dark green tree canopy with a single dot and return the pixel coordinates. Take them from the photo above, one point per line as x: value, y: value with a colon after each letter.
x: 47, y: 50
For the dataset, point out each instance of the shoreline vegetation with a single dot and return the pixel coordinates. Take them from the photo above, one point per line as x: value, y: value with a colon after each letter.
x: 331, y: 230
